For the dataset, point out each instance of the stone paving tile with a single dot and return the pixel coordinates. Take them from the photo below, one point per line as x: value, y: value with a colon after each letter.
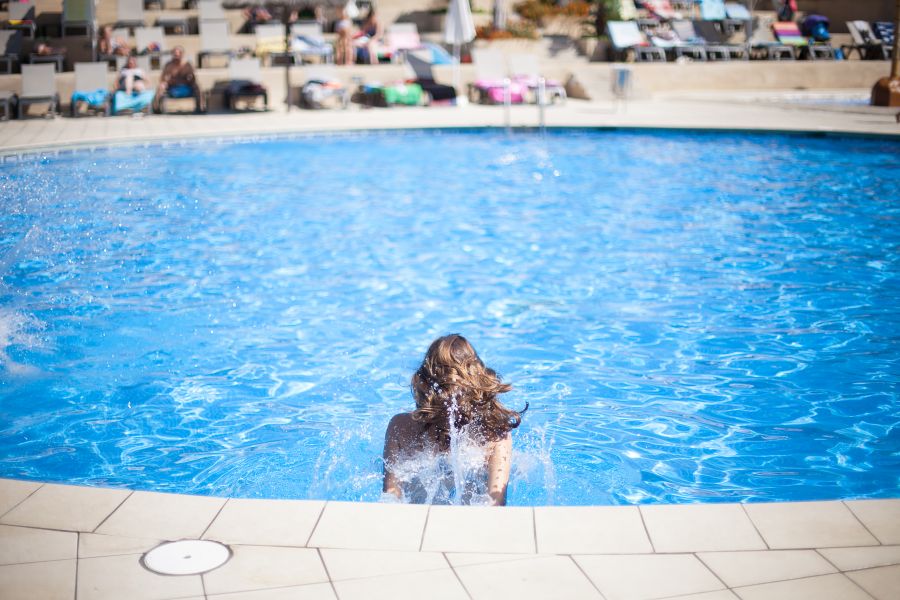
x: 433, y: 585
x: 824, y: 587
x: 647, y: 576
x: 91, y: 545
x: 479, y: 529
x: 749, y: 568
x: 355, y: 564
x: 13, y: 491
x: 883, y: 583
x: 259, y: 567
x: 717, y: 595
x: 69, y: 507
x: 700, y: 527
x: 119, y: 577
x: 54, y: 580
x: 265, y: 522
x: 462, y: 559
x: 166, y: 516
x: 26, y: 544
x: 536, y: 578
x: 881, y: 518
x: 314, y: 591
x: 808, y: 525
x: 370, y: 526
x: 590, y: 530
x: 850, y: 559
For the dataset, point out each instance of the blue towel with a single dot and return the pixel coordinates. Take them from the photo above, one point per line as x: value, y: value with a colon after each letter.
x: 181, y: 91
x: 94, y: 98
x: 135, y: 102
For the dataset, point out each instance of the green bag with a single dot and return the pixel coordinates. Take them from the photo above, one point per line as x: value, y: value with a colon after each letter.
x: 409, y: 94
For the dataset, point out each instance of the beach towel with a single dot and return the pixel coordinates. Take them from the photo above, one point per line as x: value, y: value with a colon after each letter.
x: 134, y: 102
x: 93, y: 98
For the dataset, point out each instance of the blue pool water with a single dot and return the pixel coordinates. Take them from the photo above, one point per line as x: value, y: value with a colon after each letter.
x: 692, y: 317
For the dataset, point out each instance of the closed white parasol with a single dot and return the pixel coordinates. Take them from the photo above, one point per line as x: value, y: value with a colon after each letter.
x: 459, y: 29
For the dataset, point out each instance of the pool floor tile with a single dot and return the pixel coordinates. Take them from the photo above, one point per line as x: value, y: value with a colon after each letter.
x: 119, y: 577
x: 648, y: 576
x: 92, y: 545
x: 881, y: 518
x: 700, y: 527
x: 356, y: 564
x: 787, y: 525
x: 314, y: 591
x: 265, y: 522
x: 824, y: 587
x: 537, y: 578
x: 479, y: 529
x: 433, y: 585
x: 750, y: 568
x: 260, y: 567
x: 883, y: 583
x: 590, y: 530
x: 13, y: 491
x: 162, y: 516
x: 851, y: 559
x: 53, y: 580
x: 66, y: 507
x: 370, y: 526
x: 27, y: 544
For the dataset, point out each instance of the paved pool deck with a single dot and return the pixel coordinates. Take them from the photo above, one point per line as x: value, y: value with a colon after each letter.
x: 59, y: 541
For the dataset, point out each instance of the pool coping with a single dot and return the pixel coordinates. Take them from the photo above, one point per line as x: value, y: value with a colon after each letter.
x: 353, y: 549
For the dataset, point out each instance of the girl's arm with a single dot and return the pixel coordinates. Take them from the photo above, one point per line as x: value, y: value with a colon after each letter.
x: 499, y: 463
x: 391, y: 450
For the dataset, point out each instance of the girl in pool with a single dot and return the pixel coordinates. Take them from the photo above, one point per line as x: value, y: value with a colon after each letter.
x: 456, y: 445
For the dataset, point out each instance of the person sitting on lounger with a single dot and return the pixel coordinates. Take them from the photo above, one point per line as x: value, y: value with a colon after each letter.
x: 456, y: 444
x: 131, y: 78
x: 178, y: 81
x: 368, y: 39
x: 109, y: 45
x: 345, y: 54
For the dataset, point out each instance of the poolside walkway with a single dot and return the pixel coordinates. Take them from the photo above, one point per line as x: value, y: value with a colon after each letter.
x: 59, y: 541
x: 716, y: 110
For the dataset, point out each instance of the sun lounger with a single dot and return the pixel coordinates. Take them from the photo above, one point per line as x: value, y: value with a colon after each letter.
x: 38, y: 86
x: 788, y: 33
x: 143, y: 63
x: 270, y: 43
x: 130, y: 13
x: 307, y: 40
x: 22, y: 17
x: 400, y: 38
x: 10, y: 50
x: 661, y: 9
x: 763, y: 41
x: 737, y: 11
x: 91, y: 89
x: 525, y: 70
x: 709, y: 31
x: 151, y: 41
x: 492, y: 82
x: 688, y: 33
x: 866, y: 45
x: 210, y: 10
x: 123, y: 102
x: 668, y: 40
x: 8, y: 101
x: 436, y: 92
x: 78, y: 15
x: 884, y: 31
x: 625, y: 36
x: 214, y: 40
x: 245, y: 82
x: 713, y: 10
x: 323, y: 89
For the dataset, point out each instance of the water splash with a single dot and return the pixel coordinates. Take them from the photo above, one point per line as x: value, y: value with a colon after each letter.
x: 17, y: 329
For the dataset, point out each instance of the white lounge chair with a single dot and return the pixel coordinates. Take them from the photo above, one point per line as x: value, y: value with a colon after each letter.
x: 245, y: 82
x: 24, y: 13
x: 39, y: 86
x: 90, y: 78
x: 307, y: 39
x: 214, y: 40
x: 10, y: 49
x: 79, y: 15
x: 151, y: 41
x: 625, y: 37
x: 130, y: 13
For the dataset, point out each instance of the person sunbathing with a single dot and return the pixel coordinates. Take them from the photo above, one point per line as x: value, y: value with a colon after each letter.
x: 178, y: 81
x: 111, y: 45
x: 456, y: 444
x: 131, y: 77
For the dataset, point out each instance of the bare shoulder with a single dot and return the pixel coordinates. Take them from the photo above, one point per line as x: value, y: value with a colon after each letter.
x: 402, y: 426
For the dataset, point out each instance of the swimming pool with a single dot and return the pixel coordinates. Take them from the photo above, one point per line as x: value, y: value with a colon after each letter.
x: 691, y: 316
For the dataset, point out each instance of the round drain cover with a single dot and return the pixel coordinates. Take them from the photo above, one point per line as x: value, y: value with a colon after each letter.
x: 186, y: 557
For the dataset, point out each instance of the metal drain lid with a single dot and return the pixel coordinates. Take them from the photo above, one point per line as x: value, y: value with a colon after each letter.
x: 186, y: 557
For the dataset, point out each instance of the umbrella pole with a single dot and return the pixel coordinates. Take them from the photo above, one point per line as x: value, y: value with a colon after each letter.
x: 456, y: 69
x: 287, y: 60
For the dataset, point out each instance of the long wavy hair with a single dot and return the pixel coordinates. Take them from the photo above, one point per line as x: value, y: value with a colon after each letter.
x: 454, y: 388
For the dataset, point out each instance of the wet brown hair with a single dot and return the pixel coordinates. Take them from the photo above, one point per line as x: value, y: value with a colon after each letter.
x: 453, y: 382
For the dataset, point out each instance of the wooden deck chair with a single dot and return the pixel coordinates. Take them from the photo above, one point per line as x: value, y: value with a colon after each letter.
x: 307, y: 39
x: 39, y: 86
x: 22, y: 17
x: 91, y: 89
x: 10, y: 50
x: 151, y: 41
x: 214, y: 40
x: 78, y: 15
x: 626, y: 37
x: 130, y: 13
x: 245, y: 82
